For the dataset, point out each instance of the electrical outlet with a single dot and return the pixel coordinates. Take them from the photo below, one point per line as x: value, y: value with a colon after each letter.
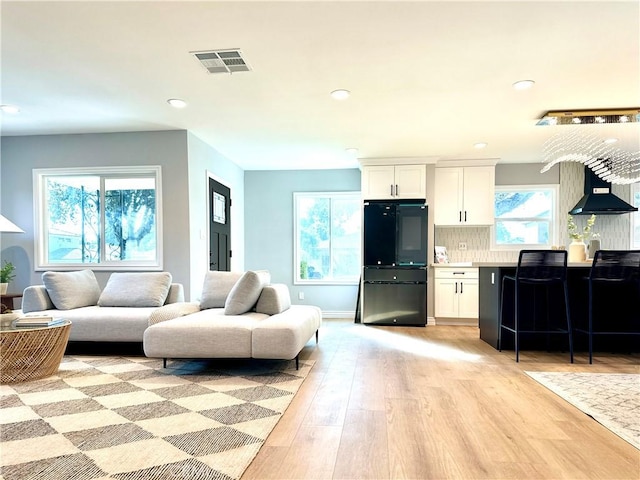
x: 300, y: 295
x: 462, y: 245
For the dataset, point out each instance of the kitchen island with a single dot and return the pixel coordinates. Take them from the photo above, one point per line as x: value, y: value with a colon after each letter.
x: 490, y: 292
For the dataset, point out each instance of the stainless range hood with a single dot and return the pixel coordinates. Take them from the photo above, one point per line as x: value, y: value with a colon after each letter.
x: 598, y: 198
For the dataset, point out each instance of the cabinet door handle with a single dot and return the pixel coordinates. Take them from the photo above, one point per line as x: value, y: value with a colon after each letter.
x: 461, y: 287
x: 391, y: 189
x: 396, y: 189
x: 456, y: 287
x: 460, y: 216
x: 465, y: 216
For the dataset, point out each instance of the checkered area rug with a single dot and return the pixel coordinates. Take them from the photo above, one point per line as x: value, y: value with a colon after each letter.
x: 127, y: 418
x: 612, y: 399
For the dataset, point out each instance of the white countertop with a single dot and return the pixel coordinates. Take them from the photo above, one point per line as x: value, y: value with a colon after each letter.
x: 515, y: 264
x: 453, y: 265
x: 497, y: 264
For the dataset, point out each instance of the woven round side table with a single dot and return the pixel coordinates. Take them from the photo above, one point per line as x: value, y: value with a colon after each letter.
x: 32, y: 353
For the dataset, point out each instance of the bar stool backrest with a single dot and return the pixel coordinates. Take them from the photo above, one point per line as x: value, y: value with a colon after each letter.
x: 542, y: 265
x: 616, y: 265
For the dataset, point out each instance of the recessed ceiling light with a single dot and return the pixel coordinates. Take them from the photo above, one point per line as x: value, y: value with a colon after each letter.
x: 13, y: 109
x: 341, y: 94
x: 480, y: 145
x: 523, y: 84
x: 177, y: 103
x: 352, y: 151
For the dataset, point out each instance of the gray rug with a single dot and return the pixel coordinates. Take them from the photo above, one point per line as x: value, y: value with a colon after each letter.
x: 127, y: 418
x: 612, y: 399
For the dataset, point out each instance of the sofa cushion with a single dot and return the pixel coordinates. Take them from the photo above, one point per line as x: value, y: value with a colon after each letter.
x: 216, y: 288
x: 173, y: 310
x: 245, y: 293
x: 274, y: 299
x: 136, y: 289
x: 69, y: 290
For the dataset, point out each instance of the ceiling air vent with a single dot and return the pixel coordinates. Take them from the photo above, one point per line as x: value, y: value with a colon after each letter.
x: 222, y: 61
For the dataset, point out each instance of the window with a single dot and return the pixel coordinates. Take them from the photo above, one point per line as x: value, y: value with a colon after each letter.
x: 327, y: 237
x: 635, y: 217
x: 525, y: 217
x: 102, y: 218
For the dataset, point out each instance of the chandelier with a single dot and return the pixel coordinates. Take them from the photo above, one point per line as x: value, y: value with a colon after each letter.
x: 585, y: 117
x: 612, y: 164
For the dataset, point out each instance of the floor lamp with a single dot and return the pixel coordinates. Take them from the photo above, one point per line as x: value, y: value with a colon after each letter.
x: 7, y: 226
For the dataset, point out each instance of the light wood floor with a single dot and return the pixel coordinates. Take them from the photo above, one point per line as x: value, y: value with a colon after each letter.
x: 437, y: 403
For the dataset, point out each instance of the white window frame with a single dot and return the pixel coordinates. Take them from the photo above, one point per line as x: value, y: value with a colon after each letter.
x: 296, y: 257
x: 40, y: 242
x: 555, y: 220
x: 635, y: 217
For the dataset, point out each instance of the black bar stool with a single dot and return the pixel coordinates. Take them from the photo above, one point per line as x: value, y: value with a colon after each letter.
x: 540, y: 273
x: 614, y: 279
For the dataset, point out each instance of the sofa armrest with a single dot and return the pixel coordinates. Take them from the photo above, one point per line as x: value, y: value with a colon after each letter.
x: 36, y: 299
x: 173, y: 310
x: 274, y: 299
x: 176, y: 294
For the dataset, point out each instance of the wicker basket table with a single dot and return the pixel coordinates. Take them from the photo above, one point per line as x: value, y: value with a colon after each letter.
x: 32, y: 353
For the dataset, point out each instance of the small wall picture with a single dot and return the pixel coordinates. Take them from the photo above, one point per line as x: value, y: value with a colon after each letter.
x: 441, y: 255
x: 219, y: 206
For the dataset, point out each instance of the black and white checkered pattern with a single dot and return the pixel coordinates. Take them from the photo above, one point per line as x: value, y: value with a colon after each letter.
x: 128, y: 418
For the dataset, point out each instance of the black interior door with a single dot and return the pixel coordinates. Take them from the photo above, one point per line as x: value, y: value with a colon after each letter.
x: 219, y: 226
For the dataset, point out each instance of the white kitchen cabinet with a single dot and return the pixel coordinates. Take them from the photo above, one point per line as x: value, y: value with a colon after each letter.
x: 456, y: 292
x: 383, y: 182
x: 464, y: 195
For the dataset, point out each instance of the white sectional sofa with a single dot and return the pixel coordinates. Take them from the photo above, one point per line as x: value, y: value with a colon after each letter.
x: 119, y: 313
x: 240, y: 315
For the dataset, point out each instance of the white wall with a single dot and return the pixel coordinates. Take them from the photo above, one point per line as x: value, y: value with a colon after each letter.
x: 205, y: 161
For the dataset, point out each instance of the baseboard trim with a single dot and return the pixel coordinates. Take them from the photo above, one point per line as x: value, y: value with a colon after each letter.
x: 352, y: 314
x: 464, y: 322
x: 339, y: 314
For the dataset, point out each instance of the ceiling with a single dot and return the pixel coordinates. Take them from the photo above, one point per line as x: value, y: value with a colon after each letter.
x: 427, y: 79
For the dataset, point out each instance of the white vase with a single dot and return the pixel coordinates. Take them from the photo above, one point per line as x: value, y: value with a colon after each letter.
x: 3, y: 288
x: 577, y: 251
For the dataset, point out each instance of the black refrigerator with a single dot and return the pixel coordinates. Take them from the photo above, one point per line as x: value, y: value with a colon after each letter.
x: 394, y: 271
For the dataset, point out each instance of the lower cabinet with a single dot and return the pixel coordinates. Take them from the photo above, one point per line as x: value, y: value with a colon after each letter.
x: 456, y: 294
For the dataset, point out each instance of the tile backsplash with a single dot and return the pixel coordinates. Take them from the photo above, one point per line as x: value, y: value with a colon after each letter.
x: 478, y: 240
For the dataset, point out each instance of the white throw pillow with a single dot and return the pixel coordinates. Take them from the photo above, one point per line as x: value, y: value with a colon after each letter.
x: 274, y: 299
x: 216, y: 288
x: 245, y: 293
x: 136, y: 289
x: 69, y: 290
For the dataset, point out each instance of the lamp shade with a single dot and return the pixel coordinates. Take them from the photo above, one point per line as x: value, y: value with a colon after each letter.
x: 7, y: 226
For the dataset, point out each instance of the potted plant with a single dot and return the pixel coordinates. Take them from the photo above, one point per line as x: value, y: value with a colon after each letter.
x: 7, y: 273
x: 578, y: 246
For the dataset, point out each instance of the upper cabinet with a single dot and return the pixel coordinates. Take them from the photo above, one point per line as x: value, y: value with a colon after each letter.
x: 382, y: 182
x: 464, y: 195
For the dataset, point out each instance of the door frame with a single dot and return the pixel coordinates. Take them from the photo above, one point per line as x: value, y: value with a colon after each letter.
x: 211, y: 176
